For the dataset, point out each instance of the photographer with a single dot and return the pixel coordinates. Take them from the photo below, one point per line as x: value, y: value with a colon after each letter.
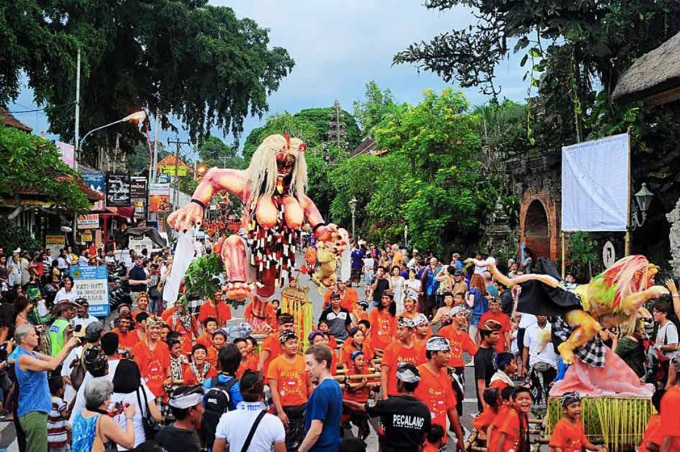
x: 34, y: 393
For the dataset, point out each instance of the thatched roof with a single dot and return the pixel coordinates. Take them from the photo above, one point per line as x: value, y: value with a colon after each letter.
x: 654, y: 77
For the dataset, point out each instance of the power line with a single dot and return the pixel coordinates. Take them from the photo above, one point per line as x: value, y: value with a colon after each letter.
x: 41, y: 109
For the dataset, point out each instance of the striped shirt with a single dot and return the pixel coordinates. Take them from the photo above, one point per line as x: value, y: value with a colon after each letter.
x: 56, y: 424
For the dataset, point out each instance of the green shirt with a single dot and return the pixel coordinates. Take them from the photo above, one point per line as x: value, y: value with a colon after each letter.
x: 57, y: 336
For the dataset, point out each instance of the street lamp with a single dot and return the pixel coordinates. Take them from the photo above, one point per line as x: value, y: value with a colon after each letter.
x: 137, y: 116
x: 353, y: 208
x: 643, y: 199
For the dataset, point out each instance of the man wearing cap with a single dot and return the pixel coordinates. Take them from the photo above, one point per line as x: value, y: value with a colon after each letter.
x: 338, y: 318
x: 82, y: 316
x: 485, y: 357
x: 271, y: 347
x: 290, y: 387
x: 186, y: 404
x: 435, y: 389
x: 495, y: 313
x: 404, y: 418
x: 414, y: 259
x: 403, y: 350
x: 61, y: 328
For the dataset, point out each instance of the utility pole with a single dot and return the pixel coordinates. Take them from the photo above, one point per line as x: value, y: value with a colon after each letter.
x: 175, y: 197
x: 77, y: 130
x: 153, y: 172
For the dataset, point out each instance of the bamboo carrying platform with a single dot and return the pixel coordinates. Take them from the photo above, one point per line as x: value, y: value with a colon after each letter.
x: 618, y: 422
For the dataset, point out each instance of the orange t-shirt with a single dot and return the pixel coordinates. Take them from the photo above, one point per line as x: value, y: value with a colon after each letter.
x: 436, y: 392
x: 272, y: 345
x: 570, y: 437
x: 396, y: 353
x: 483, y: 420
x: 348, y: 348
x: 222, y: 313
x: 211, y: 356
x: 511, y: 427
x: 249, y: 363
x: 383, y: 328
x: 504, y: 320
x: 349, y: 300
x: 186, y: 337
x: 190, y: 378
x: 652, y: 433
x: 334, y: 363
x: 205, y: 340
x: 126, y: 341
x: 292, y: 379
x: 358, y: 395
x: 153, y: 365
x: 670, y: 421
x: 492, y: 440
x: 137, y: 311
x: 460, y: 342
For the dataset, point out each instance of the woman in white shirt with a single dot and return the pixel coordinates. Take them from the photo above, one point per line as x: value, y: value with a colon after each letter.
x: 67, y: 292
x: 128, y: 388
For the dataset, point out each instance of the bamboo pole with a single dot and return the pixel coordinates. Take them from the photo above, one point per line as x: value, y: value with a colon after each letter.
x: 356, y: 377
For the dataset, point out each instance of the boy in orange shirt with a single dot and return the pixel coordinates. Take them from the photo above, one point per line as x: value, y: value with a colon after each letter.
x: 513, y: 434
x: 493, y: 430
x: 670, y: 421
x: 569, y: 433
x: 403, y: 350
x: 248, y: 361
x: 652, y: 439
x: 290, y: 387
x: 209, y: 328
x: 271, y: 347
x: 434, y: 439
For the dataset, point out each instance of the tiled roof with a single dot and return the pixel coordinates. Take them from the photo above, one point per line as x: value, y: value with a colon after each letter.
x: 11, y: 121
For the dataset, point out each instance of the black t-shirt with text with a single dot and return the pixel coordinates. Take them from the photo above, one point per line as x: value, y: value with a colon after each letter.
x: 405, y: 418
x: 173, y: 439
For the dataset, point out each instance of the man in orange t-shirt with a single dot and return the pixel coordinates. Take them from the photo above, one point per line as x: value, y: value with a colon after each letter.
x: 459, y: 339
x: 215, y: 308
x: 670, y: 421
x: 152, y: 356
x: 290, y: 388
x: 271, y: 347
x: 182, y: 322
x: 435, y: 389
x: 126, y: 339
x: 495, y: 313
x: 403, y: 350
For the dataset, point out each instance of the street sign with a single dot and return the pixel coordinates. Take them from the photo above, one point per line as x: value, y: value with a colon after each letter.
x: 92, y: 284
x: 608, y: 254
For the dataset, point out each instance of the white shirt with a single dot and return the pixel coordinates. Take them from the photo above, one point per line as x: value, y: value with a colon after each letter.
x: 63, y: 295
x: 83, y: 261
x: 62, y: 263
x: 526, y: 320
x: 86, y: 321
x: 541, y: 349
x: 667, y: 334
x: 69, y: 392
x: 131, y: 398
x: 234, y: 427
x: 80, y: 397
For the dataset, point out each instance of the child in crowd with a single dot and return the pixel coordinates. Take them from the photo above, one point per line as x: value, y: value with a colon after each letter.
x: 493, y: 431
x: 653, y: 438
x: 434, y: 438
x: 507, y: 367
x: 569, y: 434
x: 492, y: 402
x: 57, y: 436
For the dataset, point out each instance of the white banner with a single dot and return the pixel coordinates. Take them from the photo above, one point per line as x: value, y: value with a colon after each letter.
x: 595, y: 184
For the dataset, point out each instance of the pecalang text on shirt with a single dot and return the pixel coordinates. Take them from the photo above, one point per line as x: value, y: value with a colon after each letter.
x: 406, y: 421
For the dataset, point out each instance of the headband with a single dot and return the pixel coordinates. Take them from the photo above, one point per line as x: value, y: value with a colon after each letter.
x: 287, y: 335
x: 185, y: 401
x: 408, y: 373
x: 569, y: 398
x: 355, y: 354
x: 421, y: 319
x: 438, y: 344
x: 405, y: 322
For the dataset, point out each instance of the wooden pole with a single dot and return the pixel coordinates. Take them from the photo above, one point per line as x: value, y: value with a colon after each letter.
x: 564, y: 254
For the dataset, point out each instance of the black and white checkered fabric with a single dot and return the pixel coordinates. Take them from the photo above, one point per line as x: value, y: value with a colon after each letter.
x: 591, y: 353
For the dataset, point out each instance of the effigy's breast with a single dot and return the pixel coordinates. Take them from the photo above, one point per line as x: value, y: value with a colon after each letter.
x: 266, y: 212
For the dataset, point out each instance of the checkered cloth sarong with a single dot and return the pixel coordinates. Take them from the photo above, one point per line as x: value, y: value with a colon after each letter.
x: 592, y: 353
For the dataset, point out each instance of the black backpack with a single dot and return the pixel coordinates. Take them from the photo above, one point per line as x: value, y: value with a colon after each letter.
x: 216, y: 402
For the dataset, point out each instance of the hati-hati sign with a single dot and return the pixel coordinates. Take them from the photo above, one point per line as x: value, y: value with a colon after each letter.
x: 91, y: 283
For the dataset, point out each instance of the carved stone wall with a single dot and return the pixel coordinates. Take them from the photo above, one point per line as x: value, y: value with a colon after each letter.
x: 674, y: 219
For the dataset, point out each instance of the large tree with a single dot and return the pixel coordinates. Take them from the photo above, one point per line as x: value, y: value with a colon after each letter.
x: 197, y: 64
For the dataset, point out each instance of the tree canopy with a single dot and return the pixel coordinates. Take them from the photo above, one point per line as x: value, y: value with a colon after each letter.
x: 30, y: 163
x: 196, y: 63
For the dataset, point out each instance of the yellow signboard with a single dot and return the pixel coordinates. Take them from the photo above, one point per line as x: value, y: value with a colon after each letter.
x: 86, y: 236
x: 170, y: 170
x: 57, y: 240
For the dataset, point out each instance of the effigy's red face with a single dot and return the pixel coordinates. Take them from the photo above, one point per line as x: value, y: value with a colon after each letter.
x: 285, y: 164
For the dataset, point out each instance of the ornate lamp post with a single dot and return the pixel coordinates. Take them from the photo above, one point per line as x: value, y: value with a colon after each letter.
x: 353, y: 208
x: 643, y: 199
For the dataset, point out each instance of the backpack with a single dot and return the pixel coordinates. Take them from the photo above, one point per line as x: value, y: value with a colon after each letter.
x: 216, y: 402
x: 77, y: 372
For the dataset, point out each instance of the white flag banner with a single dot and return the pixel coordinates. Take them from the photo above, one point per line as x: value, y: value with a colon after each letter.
x: 595, y: 184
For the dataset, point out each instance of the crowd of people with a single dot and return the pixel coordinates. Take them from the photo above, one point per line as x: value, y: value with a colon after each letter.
x: 391, y: 342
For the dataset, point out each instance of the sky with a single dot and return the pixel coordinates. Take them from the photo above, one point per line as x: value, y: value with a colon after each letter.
x: 338, y: 46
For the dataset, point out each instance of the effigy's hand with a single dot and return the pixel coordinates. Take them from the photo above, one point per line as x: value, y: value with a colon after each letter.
x: 184, y: 218
x: 337, y: 238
